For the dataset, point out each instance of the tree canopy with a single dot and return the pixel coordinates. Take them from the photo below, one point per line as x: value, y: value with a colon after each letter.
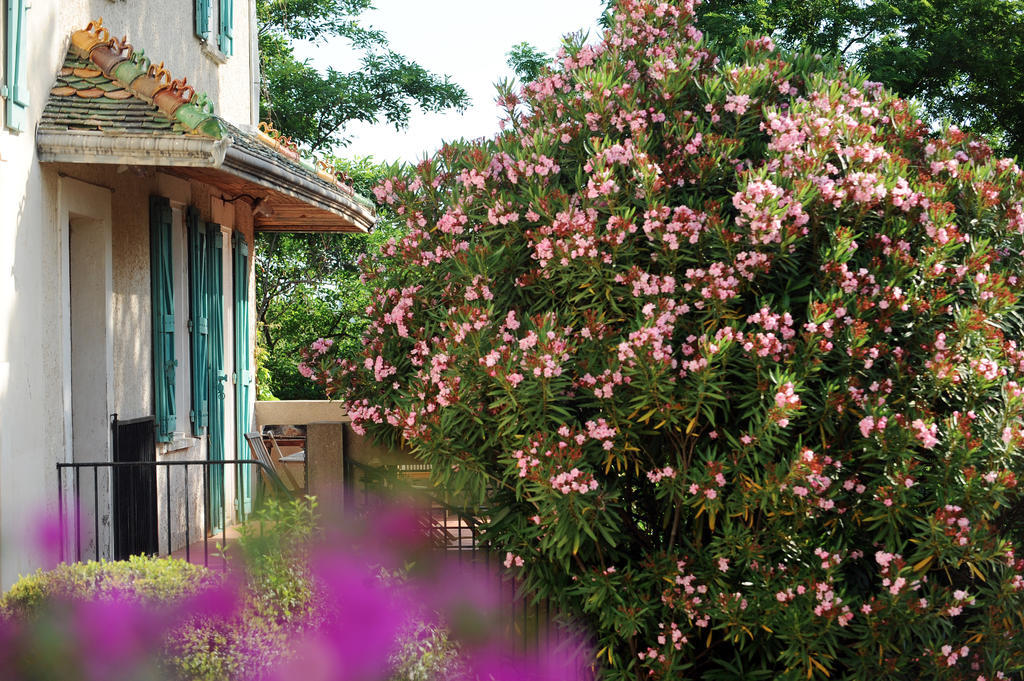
x: 963, y: 59
x: 307, y: 287
x: 306, y: 284
x: 526, y: 61
x: 313, y: 108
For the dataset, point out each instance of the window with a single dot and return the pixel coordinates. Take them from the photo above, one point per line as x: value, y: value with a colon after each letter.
x: 225, y: 21
x: 202, y: 19
x: 182, y: 320
x: 15, y: 68
x: 225, y: 36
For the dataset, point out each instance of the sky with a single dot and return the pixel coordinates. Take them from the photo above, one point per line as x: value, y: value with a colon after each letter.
x: 465, y: 39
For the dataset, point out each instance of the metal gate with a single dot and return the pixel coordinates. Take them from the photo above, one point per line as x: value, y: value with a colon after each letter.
x: 134, y: 493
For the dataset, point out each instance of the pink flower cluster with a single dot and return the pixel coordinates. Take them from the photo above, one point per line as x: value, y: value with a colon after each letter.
x: 687, y: 595
x: 787, y: 403
x: 513, y: 559
x: 954, y: 523
x: 673, y: 227
x: 574, y: 480
x: 553, y: 463
x: 769, y: 212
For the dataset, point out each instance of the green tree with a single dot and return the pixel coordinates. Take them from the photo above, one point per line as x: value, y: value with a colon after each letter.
x: 307, y: 287
x: 963, y: 59
x: 313, y: 108
x: 526, y: 61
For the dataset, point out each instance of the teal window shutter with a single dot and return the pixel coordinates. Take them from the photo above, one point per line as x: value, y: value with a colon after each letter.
x: 243, y: 351
x: 199, y: 324
x: 225, y: 36
x: 162, y: 279
x: 17, y: 66
x: 203, y: 18
x: 218, y: 378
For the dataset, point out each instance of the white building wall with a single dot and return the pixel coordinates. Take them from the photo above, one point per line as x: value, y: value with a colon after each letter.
x: 34, y: 256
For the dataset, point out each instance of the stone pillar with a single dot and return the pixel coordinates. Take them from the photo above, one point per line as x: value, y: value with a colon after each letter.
x: 325, y: 463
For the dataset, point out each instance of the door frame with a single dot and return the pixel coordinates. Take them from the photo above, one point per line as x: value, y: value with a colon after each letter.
x: 86, y: 209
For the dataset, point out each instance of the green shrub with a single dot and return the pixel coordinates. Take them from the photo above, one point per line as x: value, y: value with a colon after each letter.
x: 148, y: 580
x: 425, y: 653
x: 274, y: 548
x: 243, y: 648
x: 244, y: 644
x: 731, y: 348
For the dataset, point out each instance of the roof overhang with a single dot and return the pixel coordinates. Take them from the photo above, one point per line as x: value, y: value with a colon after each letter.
x: 284, y: 200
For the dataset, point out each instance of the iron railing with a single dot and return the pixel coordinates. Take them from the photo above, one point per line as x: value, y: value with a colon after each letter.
x: 139, y: 470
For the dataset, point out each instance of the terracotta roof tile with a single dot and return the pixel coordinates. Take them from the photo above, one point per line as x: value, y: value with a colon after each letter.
x: 84, y: 99
x: 106, y: 85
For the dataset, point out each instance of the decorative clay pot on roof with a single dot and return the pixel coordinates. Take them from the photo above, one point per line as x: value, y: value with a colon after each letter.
x: 197, y: 115
x: 326, y: 172
x: 155, y: 79
x: 266, y: 133
x: 136, y: 65
x: 89, y: 37
x: 288, y: 148
x: 111, y: 53
x: 212, y: 127
x: 172, y: 98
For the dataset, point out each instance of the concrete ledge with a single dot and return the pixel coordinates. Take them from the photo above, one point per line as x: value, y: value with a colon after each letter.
x: 85, y: 146
x: 298, y: 412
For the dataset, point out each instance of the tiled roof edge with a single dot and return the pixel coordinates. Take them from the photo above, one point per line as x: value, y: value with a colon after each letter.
x: 286, y: 146
x: 133, y: 70
x: 175, y: 98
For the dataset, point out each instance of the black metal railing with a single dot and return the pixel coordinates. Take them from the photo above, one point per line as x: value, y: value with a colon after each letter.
x: 70, y: 512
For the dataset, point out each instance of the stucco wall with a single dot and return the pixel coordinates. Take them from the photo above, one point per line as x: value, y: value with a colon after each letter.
x: 31, y: 398
x: 165, y: 31
x: 132, y: 338
x: 33, y: 254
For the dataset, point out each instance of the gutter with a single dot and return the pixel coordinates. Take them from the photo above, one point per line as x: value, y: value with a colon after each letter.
x: 272, y: 176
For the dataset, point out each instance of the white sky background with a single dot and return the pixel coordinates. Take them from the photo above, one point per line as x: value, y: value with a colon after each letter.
x: 465, y: 39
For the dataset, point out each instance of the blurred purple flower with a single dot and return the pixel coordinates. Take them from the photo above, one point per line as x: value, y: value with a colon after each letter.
x: 363, y: 619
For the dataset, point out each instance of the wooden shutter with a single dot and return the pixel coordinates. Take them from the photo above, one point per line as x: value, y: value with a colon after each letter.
x: 217, y: 376
x: 203, y: 18
x: 243, y: 376
x: 17, y: 66
x: 225, y: 36
x: 199, y: 324
x: 162, y: 278
x: 242, y: 346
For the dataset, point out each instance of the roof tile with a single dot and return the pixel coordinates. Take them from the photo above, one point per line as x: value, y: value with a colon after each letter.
x: 84, y: 98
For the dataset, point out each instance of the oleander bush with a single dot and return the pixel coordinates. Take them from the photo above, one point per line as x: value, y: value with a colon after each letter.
x: 730, y: 345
